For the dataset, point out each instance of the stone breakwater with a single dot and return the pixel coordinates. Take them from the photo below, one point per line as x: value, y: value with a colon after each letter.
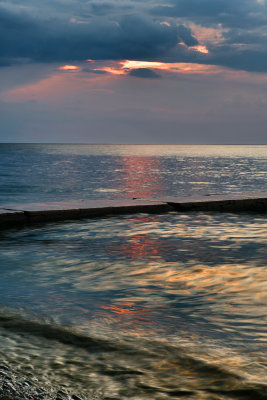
x: 13, y: 387
x: 30, y: 213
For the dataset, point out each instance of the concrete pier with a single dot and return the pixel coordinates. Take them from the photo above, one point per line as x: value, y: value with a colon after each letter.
x: 30, y: 213
x: 236, y: 202
x: 13, y: 215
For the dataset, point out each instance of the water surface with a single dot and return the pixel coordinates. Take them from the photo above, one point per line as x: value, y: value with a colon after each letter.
x: 139, y: 307
x: 43, y: 173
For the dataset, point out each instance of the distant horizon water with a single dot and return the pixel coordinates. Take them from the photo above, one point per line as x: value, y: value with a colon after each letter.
x: 140, y: 144
x: 61, y: 172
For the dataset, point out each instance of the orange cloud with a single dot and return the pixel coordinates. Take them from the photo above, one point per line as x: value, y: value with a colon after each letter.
x: 111, y: 70
x: 69, y: 68
x: 123, y: 67
x: 132, y: 64
x: 165, y: 23
x: 72, y: 79
x: 200, y: 49
x: 181, y: 68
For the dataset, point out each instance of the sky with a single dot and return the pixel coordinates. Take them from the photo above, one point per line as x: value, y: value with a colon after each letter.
x: 132, y: 71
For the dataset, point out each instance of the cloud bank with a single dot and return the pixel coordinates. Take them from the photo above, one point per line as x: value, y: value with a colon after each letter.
x: 73, y: 30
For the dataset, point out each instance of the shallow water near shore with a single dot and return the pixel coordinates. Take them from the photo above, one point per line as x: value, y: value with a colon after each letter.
x: 139, y: 307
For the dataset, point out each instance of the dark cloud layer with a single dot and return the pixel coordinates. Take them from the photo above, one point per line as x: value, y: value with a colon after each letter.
x: 144, y: 73
x: 247, y: 60
x: 74, y: 30
x: 185, y: 36
x: 243, y: 24
x: 130, y: 37
x: 229, y: 13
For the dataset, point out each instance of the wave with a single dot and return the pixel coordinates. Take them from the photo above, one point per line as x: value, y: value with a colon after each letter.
x: 137, y: 365
x: 47, y: 330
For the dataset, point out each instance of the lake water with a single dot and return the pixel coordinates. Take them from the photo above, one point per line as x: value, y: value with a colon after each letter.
x: 142, y: 306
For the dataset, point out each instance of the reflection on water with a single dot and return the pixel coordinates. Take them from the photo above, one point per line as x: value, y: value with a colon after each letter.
x: 142, y: 177
x: 156, y: 306
x: 43, y: 173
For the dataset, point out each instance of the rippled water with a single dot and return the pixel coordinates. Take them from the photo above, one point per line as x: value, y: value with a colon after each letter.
x: 34, y: 173
x: 139, y: 307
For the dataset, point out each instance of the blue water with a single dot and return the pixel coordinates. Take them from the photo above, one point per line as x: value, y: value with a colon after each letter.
x: 34, y: 173
x: 141, y: 306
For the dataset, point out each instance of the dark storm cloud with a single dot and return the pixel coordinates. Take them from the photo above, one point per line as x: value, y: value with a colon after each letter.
x: 76, y: 30
x: 53, y: 40
x: 5, y: 63
x: 241, y: 49
x: 98, y: 8
x: 248, y: 60
x: 235, y: 36
x: 144, y: 73
x: 185, y: 35
x: 229, y: 13
x: 243, y: 24
x: 101, y: 8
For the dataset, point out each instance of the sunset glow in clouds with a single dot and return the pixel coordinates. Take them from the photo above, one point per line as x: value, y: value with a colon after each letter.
x: 125, y: 67
x: 204, y: 69
x: 69, y: 68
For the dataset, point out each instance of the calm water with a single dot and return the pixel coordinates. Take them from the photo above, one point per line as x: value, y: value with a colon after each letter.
x: 34, y: 173
x: 141, y: 307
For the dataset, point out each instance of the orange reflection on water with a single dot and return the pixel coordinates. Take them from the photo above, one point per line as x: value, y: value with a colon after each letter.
x: 138, y: 246
x: 128, y: 314
x: 126, y: 308
x: 141, y: 177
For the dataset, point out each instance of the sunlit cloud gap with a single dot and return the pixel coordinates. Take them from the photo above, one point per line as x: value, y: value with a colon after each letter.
x: 124, y: 67
x: 114, y: 71
x: 69, y: 68
x: 200, y: 49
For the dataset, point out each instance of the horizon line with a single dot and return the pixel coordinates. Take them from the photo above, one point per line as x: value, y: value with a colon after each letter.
x: 138, y: 144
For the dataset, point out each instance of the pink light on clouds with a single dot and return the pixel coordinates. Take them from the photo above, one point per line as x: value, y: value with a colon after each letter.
x: 208, y: 35
x: 51, y: 88
x: 67, y: 82
x: 111, y: 70
x: 181, y: 68
x: 200, y: 49
x: 69, y: 68
x: 124, y: 67
x: 133, y: 64
x: 56, y: 87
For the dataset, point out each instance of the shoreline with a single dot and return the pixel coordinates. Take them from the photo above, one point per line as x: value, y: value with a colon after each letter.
x: 16, y: 387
